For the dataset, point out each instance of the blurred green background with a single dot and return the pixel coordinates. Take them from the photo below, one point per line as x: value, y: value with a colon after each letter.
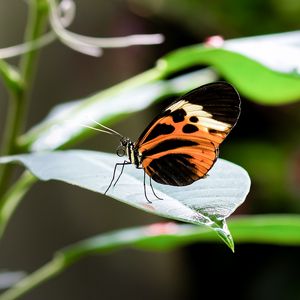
x: 266, y: 142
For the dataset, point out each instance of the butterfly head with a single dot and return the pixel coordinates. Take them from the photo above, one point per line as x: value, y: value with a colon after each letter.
x: 127, y: 147
x: 124, y: 146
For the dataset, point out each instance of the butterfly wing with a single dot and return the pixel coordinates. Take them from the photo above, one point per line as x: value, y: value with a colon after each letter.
x: 181, y: 144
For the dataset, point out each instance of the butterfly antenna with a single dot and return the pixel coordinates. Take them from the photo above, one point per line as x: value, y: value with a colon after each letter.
x: 96, y: 129
x: 107, y: 128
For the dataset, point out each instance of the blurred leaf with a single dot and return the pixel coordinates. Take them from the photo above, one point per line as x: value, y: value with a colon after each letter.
x: 262, y: 68
x: 272, y: 229
x: 267, y: 229
x: 279, y: 52
x: 62, y: 126
x: 9, y: 278
x: 208, y: 201
x: 251, y: 79
x: 281, y: 229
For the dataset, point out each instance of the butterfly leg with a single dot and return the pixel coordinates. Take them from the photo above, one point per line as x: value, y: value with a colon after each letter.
x: 145, y: 188
x: 153, y: 190
x: 114, y: 173
x: 123, y: 165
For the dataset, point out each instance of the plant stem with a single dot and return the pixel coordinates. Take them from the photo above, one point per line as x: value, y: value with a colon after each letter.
x: 18, y: 104
x: 38, y: 10
x: 44, y: 273
x: 12, y: 198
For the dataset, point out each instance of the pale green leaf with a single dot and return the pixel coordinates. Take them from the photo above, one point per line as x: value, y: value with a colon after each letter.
x: 208, y: 201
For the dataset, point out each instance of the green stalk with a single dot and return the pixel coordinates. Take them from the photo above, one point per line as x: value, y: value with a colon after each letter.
x: 12, y: 198
x: 46, y: 272
x: 19, y: 98
x: 38, y: 11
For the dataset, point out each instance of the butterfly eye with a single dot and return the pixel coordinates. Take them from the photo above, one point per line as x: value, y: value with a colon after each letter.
x: 121, y: 151
x: 124, y: 141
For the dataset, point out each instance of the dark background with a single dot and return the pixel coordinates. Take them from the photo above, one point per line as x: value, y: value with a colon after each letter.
x: 265, y: 142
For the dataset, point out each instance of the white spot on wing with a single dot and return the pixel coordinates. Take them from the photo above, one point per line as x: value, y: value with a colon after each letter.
x: 177, y: 105
x: 214, y: 124
x: 205, y: 118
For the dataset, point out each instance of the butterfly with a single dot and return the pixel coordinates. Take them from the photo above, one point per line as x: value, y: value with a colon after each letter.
x: 181, y: 144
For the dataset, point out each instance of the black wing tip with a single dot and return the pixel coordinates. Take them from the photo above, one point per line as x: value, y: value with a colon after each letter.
x: 221, y: 85
x: 219, y: 98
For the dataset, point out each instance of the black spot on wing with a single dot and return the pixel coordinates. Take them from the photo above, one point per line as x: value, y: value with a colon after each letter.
x: 173, y: 169
x: 194, y: 119
x: 189, y: 128
x: 159, y: 129
x: 219, y: 99
x: 210, y: 130
x: 169, y: 144
x: 178, y: 115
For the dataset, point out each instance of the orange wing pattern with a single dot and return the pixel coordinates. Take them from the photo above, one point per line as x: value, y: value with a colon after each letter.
x: 181, y: 144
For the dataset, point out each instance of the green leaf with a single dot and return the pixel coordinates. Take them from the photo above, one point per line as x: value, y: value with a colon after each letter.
x: 272, y: 229
x: 267, y: 229
x: 262, y: 68
x: 208, y: 202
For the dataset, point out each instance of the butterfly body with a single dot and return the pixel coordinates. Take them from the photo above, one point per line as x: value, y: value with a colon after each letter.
x: 182, y: 143
x: 131, y: 151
